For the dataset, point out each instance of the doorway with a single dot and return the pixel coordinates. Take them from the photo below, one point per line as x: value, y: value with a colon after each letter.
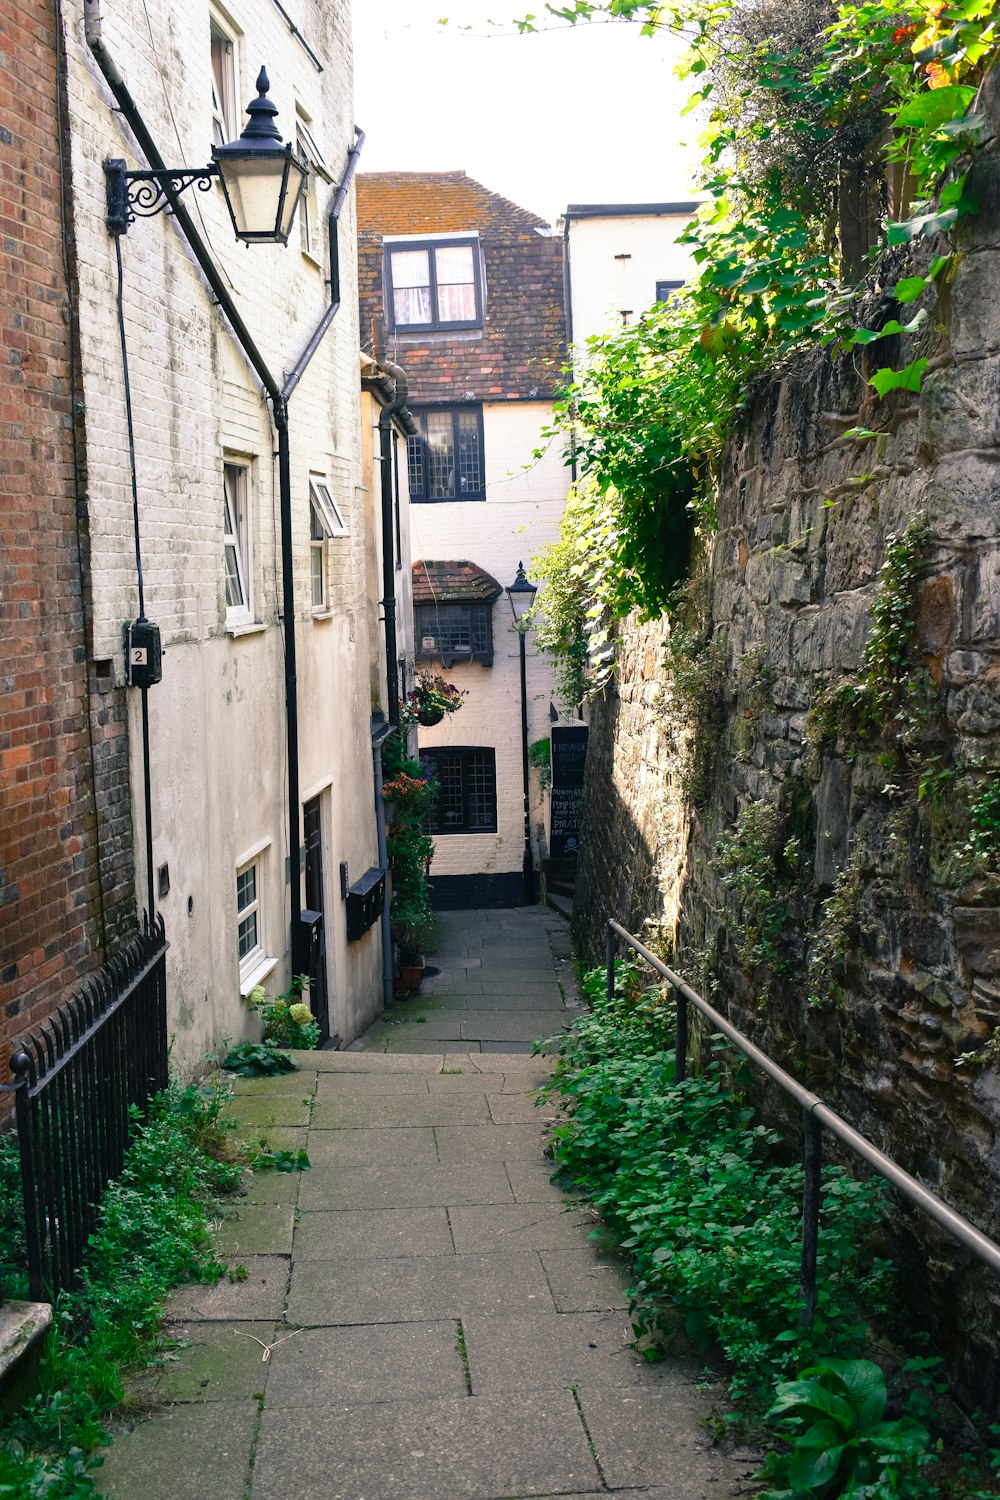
x: 315, y: 900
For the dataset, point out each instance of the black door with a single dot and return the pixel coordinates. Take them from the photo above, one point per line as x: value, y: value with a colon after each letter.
x: 318, y: 993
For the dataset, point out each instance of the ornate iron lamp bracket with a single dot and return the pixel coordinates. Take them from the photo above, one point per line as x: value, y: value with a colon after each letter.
x: 145, y: 192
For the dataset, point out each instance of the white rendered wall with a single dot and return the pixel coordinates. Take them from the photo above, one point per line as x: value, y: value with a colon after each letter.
x: 218, y: 760
x: 525, y: 500
x: 603, y: 284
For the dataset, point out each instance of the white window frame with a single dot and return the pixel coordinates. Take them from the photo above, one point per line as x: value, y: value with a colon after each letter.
x: 329, y: 517
x: 237, y: 537
x: 305, y: 141
x: 250, y: 961
x: 225, y: 110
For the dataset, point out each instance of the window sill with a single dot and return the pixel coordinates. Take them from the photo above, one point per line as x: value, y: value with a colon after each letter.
x: 312, y: 260
x: 322, y: 615
x: 251, y: 627
x: 257, y: 975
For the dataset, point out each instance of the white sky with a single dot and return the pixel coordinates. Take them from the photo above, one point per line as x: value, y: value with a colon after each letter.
x: 585, y: 114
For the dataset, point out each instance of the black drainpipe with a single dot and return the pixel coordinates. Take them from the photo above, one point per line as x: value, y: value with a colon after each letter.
x: 279, y: 403
x: 568, y: 300
x: 386, y: 415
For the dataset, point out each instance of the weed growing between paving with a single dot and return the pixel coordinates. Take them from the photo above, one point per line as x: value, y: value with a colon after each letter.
x: 152, y: 1234
x: 700, y: 1198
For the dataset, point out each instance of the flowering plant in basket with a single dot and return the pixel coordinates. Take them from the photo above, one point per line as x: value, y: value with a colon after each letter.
x: 431, y: 698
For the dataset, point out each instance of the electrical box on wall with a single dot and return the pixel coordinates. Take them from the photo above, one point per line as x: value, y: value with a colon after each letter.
x: 143, y: 665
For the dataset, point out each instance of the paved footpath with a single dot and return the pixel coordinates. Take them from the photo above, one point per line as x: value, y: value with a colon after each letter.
x: 422, y: 1315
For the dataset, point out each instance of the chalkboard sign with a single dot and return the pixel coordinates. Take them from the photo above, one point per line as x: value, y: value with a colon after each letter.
x: 569, y: 758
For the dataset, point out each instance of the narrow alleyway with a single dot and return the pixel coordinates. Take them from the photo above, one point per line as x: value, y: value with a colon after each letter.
x: 422, y: 1315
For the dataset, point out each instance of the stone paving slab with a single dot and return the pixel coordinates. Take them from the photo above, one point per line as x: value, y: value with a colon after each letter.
x: 521, y: 1109
x: 466, y: 1082
x: 393, y: 1186
x: 351, y: 1061
x: 529, y: 1182
x: 509, y: 1025
x: 463, y: 1143
x: 299, y: 1084
x: 169, y: 1456
x: 261, y: 1112
x: 366, y: 1234
x: 277, y: 1137
x: 582, y: 1281
x: 359, y: 1145
x: 270, y: 1186
x: 519, y: 1226
x: 256, y: 1229
x: 215, y: 1362
x: 527, y: 1048
x: 371, y: 1085
x: 512, y: 1062
x: 552, y: 1351
x: 410, y: 1109
x: 260, y: 1295
x: 648, y: 1437
x: 360, y: 1365
x: 474, y: 1448
x: 406, y: 1290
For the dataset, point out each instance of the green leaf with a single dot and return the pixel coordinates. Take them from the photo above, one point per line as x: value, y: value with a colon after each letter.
x: 907, y: 379
x: 928, y: 111
x: 909, y: 289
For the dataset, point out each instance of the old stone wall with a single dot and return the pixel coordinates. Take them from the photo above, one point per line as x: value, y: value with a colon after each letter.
x: 828, y: 897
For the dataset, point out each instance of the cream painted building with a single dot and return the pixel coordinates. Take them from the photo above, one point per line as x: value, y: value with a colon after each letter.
x: 225, y: 868
x: 621, y: 258
x: 464, y: 289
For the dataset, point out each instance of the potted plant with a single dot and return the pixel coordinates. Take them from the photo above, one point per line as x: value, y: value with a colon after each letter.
x: 431, y: 698
x: 412, y: 940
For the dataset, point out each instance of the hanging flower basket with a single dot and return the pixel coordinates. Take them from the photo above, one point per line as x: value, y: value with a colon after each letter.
x: 430, y: 699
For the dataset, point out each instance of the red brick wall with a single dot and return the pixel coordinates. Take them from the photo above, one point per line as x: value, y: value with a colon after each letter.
x: 521, y: 350
x: 64, y: 800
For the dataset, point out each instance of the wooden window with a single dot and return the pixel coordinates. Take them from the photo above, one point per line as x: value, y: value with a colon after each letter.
x: 225, y: 102
x: 445, y: 456
x: 236, y: 542
x: 433, y: 284
x: 466, y: 800
x: 454, y: 632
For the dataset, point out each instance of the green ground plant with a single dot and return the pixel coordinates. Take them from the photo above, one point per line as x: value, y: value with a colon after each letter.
x: 287, y: 1020
x: 697, y: 1194
x: 408, y: 784
x: 152, y: 1232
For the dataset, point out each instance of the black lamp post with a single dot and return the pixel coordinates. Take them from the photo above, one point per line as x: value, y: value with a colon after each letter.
x: 521, y: 594
x: 262, y: 180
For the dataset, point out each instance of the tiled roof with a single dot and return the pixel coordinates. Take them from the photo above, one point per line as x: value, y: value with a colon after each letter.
x: 440, y: 582
x: 519, y: 351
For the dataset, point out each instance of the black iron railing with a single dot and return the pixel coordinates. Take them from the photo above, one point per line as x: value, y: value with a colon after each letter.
x: 99, y: 1055
x: 816, y: 1117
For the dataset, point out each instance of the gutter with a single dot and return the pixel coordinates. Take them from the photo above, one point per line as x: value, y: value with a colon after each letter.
x: 299, y: 938
x: 395, y: 407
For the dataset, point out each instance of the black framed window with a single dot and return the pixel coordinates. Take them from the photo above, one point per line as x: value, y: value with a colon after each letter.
x: 664, y: 288
x: 434, y: 284
x: 445, y: 456
x: 466, y: 800
x: 454, y: 632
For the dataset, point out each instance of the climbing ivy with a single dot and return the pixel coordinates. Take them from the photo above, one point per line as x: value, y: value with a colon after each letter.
x: 789, y: 118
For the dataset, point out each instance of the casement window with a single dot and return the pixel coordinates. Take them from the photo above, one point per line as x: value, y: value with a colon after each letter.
x: 434, y: 284
x: 445, y: 457
x: 664, y: 288
x: 325, y: 521
x: 454, y: 632
x: 225, y: 96
x: 236, y: 543
x: 250, y: 919
x: 309, y: 226
x: 466, y: 799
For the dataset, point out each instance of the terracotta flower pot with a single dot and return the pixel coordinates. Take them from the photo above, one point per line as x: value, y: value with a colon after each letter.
x: 410, y: 975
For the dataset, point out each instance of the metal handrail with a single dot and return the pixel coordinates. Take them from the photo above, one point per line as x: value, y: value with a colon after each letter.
x: 816, y: 1116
